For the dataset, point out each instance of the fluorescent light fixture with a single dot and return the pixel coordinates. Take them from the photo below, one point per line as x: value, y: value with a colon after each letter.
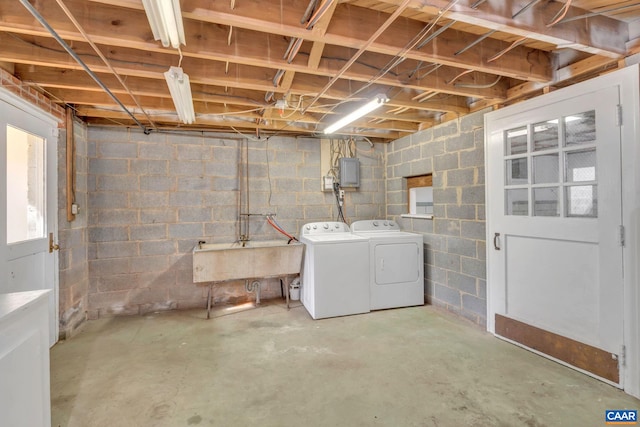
x: 180, y: 89
x: 376, y: 102
x: 165, y: 19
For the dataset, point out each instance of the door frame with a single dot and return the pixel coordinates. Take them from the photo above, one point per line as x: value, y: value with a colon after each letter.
x: 628, y: 82
x: 27, y: 108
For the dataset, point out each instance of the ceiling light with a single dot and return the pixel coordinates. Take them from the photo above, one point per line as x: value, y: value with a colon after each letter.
x: 180, y: 89
x: 376, y: 102
x: 165, y: 19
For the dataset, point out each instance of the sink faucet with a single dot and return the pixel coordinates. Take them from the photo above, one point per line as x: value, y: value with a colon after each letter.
x: 244, y: 239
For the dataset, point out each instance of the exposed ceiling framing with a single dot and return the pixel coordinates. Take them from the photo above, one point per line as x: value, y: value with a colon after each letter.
x: 438, y: 60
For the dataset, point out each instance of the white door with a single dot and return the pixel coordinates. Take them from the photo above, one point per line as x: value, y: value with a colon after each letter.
x: 28, y: 155
x: 554, y: 219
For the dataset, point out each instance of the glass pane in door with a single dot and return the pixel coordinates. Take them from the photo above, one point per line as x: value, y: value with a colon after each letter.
x: 582, y: 201
x: 545, y: 169
x: 25, y: 186
x: 545, y: 135
x: 517, y: 171
x: 516, y: 141
x: 545, y: 201
x: 581, y: 166
x: 517, y: 202
x: 580, y: 128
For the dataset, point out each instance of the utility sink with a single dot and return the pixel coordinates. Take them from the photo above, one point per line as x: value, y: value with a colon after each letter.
x: 221, y: 262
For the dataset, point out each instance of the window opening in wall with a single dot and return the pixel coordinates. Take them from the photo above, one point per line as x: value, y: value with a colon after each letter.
x: 550, y: 168
x: 25, y: 186
x: 420, y: 195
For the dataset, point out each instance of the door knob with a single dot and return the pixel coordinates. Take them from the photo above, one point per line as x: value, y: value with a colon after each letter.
x: 52, y: 246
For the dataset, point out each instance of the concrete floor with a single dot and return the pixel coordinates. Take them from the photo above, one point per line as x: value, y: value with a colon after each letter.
x: 269, y: 367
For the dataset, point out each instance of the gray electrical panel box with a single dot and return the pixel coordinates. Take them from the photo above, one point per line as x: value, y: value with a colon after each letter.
x: 349, y: 172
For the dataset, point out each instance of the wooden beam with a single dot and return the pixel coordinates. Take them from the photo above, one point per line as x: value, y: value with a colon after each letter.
x: 144, y: 63
x: 98, y: 116
x: 598, y: 35
x: 350, y: 26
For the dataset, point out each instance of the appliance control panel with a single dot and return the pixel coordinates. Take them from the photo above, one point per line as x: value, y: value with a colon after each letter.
x: 375, y: 225
x: 324, y: 228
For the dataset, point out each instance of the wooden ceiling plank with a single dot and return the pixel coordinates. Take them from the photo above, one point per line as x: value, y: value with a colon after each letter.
x: 130, y: 63
x: 350, y: 27
x: 598, y: 35
x: 161, y: 61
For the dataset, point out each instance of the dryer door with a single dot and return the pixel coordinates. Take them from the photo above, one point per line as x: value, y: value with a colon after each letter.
x: 396, y: 263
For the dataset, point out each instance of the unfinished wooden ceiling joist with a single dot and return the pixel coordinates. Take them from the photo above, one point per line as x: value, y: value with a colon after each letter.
x: 317, y: 59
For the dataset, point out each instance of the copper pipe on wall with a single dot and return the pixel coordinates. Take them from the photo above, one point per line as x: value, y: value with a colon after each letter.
x: 71, y: 165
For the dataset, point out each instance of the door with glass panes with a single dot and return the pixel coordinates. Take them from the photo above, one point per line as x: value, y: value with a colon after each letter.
x: 28, y: 150
x: 554, y: 214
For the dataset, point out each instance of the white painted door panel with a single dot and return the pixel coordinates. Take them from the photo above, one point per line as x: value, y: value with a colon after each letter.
x: 561, y: 273
x: 26, y: 261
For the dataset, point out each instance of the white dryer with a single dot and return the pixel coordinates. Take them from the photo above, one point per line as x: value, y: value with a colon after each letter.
x: 335, y: 276
x: 396, y: 264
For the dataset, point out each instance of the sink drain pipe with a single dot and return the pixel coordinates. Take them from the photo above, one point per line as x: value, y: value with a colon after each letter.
x: 253, y: 287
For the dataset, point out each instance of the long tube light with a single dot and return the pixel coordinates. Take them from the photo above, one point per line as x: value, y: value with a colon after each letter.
x: 376, y: 102
x: 165, y: 19
x: 180, y: 90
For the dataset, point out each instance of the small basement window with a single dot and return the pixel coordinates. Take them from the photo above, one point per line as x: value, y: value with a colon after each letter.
x: 420, y: 196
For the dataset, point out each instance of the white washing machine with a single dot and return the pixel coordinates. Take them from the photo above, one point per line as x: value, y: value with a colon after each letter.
x: 335, y: 276
x: 396, y: 264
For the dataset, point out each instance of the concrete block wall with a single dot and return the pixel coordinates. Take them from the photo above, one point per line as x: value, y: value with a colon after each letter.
x: 455, y: 246
x: 72, y: 236
x: 151, y: 198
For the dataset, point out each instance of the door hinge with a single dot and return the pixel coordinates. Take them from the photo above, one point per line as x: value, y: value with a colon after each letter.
x: 623, y: 356
x: 619, y: 115
x: 621, y: 235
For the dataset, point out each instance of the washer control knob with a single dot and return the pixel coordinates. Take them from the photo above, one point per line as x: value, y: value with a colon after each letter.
x: 392, y: 224
x: 325, y: 226
x: 315, y: 227
x: 308, y: 227
x: 337, y: 226
x: 386, y: 223
x: 375, y: 223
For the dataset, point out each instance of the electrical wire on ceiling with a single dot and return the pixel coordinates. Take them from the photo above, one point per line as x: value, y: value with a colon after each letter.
x: 524, y: 9
x: 475, y: 42
x: 504, y: 51
x: 399, y: 56
x: 477, y: 4
x: 435, y: 34
x: 478, y: 86
x: 560, y: 15
x: 79, y: 60
x: 308, y: 12
x: 602, y: 12
x: 97, y: 50
x: 324, y: 7
x: 438, y: 32
x: 146, y: 65
x: 277, y: 78
x: 491, y: 32
x: 362, y: 50
x: 295, y: 43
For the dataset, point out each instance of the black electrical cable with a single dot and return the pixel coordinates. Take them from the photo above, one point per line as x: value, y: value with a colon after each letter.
x: 336, y: 191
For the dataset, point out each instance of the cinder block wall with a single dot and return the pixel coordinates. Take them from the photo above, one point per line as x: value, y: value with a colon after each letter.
x: 72, y: 236
x: 455, y: 247
x: 153, y: 197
